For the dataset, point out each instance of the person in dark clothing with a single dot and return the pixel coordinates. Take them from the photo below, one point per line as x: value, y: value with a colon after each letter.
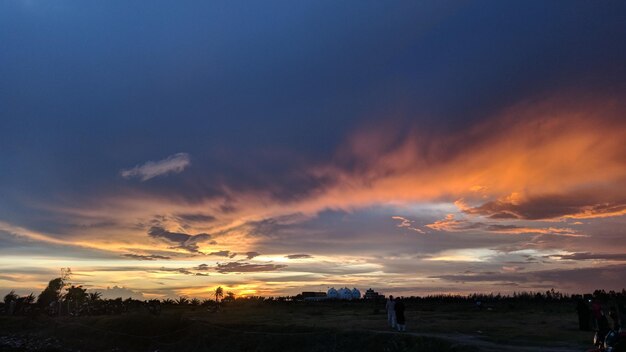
x: 621, y: 313
x: 400, y: 320
x: 603, y: 329
x: 596, y: 313
x: 614, y: 318
x: 584, y: 315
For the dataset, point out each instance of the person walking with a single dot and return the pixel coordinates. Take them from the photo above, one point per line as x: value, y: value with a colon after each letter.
x: 400, y: 320
x: 391, y: 312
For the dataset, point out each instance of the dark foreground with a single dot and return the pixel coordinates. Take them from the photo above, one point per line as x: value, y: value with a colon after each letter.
x: 303, y: 327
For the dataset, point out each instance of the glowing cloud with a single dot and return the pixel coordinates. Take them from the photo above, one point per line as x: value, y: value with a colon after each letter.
x: 172, y: 164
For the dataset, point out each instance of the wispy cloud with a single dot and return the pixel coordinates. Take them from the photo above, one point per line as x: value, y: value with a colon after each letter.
x: 172, y: 164
x: 182, y: 240
x: 146, y: 257
x: 298, y: 256
x: 406, y: 224
x: 589, y: 278
x: 451, y: 224
x: 228, y: 254
x: 250, y: 255
x: 236, y: 267
x: 592, y: 256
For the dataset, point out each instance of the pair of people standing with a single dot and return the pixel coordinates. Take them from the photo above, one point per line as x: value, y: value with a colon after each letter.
x: 395, y: 314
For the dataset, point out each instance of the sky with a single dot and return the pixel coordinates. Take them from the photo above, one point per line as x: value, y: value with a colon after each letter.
x: 164, y: 148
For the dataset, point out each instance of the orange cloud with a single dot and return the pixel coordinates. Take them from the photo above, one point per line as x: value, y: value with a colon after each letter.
x: 549, y: 147
x: 450, y: 224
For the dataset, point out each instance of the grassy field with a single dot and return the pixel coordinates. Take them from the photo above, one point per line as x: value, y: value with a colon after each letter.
x: 301, y: 326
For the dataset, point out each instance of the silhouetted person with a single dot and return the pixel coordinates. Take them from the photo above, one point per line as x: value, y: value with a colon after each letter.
x: 400, y: 320
x: 596, y: 313
x: 584, y: 315
x: 603, y: 328
x: 614, y: 318
x: 391, y: 312
x: 621, y: 312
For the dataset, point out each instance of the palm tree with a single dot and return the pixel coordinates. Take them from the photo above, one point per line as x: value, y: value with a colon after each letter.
x: 194, y: 302
x: 182, y: 301
x: 94, y: 296
x: 219, y: 293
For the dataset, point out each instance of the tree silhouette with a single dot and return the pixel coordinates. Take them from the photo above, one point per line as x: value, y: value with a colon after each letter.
x: 52, y: 293
x: 230, y: 297
x: 219, y: 293
x: 76, y: 295
x: 182, y: 301
x: 94, y: 296
x: 30, y: 299
x: 10, y: 297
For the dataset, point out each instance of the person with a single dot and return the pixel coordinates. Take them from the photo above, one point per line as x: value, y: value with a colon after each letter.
x: 621, y: 313
x: 596, y: 313
x: 614, y: 315
x: 391, y: 312
x: 400, y: 321
x: 584, y: 315
x: 603, y: 329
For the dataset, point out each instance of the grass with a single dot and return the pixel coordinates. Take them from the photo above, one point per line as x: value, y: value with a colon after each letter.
x: 303, y: 327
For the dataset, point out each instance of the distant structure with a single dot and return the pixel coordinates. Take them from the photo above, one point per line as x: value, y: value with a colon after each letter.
x: 344, y: 294
x: 373, y: 295
x: 312, y: 296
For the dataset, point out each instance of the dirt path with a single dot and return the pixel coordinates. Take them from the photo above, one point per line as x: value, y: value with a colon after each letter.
x: 488, y: 346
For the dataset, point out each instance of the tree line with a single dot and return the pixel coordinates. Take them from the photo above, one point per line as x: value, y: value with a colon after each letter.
x: 63, y: 298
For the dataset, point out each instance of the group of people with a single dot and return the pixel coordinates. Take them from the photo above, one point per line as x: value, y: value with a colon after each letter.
x: 395, y: 314
x: 592, y: 316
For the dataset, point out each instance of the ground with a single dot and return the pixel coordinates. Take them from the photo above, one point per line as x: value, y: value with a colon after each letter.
x: 304, y: 326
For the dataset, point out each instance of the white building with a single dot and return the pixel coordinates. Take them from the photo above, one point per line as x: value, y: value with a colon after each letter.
x: 343, y: 294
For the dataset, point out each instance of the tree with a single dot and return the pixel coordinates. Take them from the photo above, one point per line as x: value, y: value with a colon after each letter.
x: 29, y: 299
x: 10, y: 297
x: 10, y: 301
x: 52, y: 293
x: 182, y: 301
x: 230, y: 297
x: 76, y: 294
x: 195, y: 302
x: 94, y: 296
x: 219, y: 293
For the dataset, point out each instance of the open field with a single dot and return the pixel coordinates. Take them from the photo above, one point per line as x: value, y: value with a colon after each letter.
x: 302, y: 326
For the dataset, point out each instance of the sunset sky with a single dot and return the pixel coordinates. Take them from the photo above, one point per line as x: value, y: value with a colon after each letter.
x: 163, y: 148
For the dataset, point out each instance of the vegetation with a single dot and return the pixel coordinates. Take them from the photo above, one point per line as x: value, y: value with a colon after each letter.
x: 77, y: 319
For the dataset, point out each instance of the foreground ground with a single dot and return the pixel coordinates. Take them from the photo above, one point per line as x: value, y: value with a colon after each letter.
x: 305, y: 327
